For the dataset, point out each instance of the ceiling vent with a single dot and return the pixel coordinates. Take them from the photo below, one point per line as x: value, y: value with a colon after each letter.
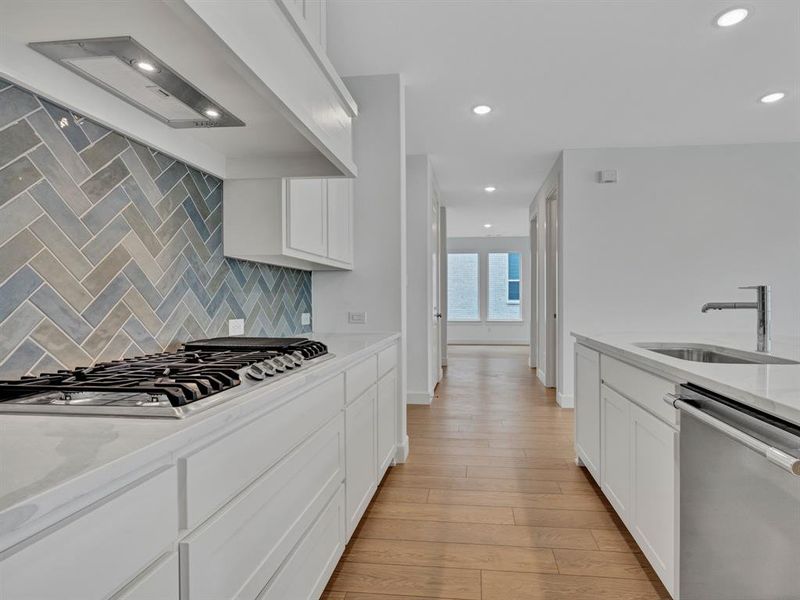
x: 128, y: 70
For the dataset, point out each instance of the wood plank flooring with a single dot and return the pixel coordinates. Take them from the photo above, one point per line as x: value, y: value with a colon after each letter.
x: 490, y: 505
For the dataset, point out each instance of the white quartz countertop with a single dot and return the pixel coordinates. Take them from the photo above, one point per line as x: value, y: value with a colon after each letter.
x: 51, y: 464
x: 774, y: 389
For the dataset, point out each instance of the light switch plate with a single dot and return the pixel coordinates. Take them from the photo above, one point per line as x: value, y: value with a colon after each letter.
x: 236, y: 327
x: 357, y: 318
x: 305, y: 319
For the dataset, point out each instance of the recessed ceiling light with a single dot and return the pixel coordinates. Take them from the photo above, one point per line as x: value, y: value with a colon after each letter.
x: 732, y: 17
x: 490, y: 188
x: 482, y: 109
x: 146, y: 66
x: 212, y: 112
x: 487, y: 225
x: 773, y: 97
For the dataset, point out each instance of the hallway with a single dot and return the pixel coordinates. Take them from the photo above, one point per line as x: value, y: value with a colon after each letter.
x: 490, y: 505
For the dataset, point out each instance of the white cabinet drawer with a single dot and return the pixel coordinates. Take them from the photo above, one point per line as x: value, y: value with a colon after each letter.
x: 643, y: 388
x: 95, y: 554
x: 216, y: 473
x: 387, y: 360
x: 308, y: 569
x: 361, y: 377
x: 159, y: 582
x: 236, y: 552
x: 387, y: 421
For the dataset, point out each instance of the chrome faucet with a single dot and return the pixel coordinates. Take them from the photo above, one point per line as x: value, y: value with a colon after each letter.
x: 762, y: 305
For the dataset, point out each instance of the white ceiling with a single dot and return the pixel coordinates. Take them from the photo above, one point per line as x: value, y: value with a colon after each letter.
x: 567, y: 74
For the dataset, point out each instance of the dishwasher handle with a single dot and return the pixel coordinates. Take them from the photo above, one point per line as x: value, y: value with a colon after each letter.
x: 774, y: 455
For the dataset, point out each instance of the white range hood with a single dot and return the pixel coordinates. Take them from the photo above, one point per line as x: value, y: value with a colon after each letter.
x: 286, y: 112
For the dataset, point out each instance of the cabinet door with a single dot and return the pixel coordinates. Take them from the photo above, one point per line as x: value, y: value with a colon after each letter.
x: 615, y: 465
x: 387, y: 420
x: 654, y: 491
x: 361, y: 468
x: 307, y: 216
x: 340, y: 220
x: 587, y: 408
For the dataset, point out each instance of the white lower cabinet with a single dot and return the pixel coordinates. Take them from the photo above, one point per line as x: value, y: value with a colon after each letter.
x: 254, y: 510
x: 587, y: 408
x: 236, y: 552
x: 615, y: 460
x: 387, y: 421
x: 362, y: 477
x: 654, y: 484
x: 95, y: 554
x: 309, y: 567
x: 639, y: 464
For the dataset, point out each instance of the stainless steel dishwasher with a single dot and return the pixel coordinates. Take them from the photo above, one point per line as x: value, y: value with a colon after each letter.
x: 739, y: 500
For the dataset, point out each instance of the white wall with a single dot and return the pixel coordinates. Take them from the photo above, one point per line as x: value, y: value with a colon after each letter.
x: 419, y: 202
x: 684, y: 225
x: 377, y: 285
x: 493, y: 332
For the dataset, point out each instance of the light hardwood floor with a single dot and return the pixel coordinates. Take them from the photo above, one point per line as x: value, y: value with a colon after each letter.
x: 490, y: 505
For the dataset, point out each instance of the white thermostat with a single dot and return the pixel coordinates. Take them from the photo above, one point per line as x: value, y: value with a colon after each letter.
x: 608, y: 176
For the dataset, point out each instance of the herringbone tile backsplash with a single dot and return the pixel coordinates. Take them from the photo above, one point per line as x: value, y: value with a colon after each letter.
x: 110, y: 249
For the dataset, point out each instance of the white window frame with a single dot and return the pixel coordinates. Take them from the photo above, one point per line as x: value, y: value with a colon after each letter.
x: 485, y: 266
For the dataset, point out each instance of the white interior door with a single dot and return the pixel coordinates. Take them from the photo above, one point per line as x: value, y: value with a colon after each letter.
x: 551, y: 290
x: 436, y: 252
x: 533, y: 357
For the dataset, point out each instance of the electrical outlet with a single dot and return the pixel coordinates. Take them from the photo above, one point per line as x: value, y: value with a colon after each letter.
x: 305, y: 319
x: 357, y: 318
x: 236, y: 327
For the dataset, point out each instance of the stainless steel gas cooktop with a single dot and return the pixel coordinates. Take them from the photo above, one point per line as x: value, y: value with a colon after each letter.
x: 168, y: 384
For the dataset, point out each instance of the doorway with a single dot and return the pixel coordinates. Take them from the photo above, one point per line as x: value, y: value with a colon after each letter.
x: 551, y: 289
x: 533, y: 359
x: 438, y: 292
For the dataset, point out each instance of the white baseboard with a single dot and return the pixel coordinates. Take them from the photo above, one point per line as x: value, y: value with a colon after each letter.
x: 565, y: 400
x: 401, y: 454
x: 493, y: 342
x: 419, y: 398
x: 540, y: 375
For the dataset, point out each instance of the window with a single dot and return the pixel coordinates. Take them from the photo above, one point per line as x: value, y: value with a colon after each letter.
x: 504, y: 287
x: 463, y: 299
x: 513, y: 277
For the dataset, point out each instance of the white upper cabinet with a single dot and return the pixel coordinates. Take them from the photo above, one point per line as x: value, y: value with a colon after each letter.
x: 301, y: 223
x: 307, y: 216
x: 340, y: 220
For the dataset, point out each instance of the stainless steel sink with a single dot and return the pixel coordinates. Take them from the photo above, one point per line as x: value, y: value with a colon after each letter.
x: 714, y: 354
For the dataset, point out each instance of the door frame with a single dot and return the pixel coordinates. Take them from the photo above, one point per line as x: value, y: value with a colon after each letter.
x: 533, y: 236
x: 551, y: 276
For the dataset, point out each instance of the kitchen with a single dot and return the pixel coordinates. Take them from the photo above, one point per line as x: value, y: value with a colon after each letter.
x: 224, y: 359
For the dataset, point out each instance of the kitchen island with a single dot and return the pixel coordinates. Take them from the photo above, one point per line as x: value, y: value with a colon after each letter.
x: 627, y: 435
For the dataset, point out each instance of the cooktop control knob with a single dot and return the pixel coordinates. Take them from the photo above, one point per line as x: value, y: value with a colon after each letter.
x: 255, y: 372
x: 268, y: 369
x: 297, y: 357
x: 277, y: 364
